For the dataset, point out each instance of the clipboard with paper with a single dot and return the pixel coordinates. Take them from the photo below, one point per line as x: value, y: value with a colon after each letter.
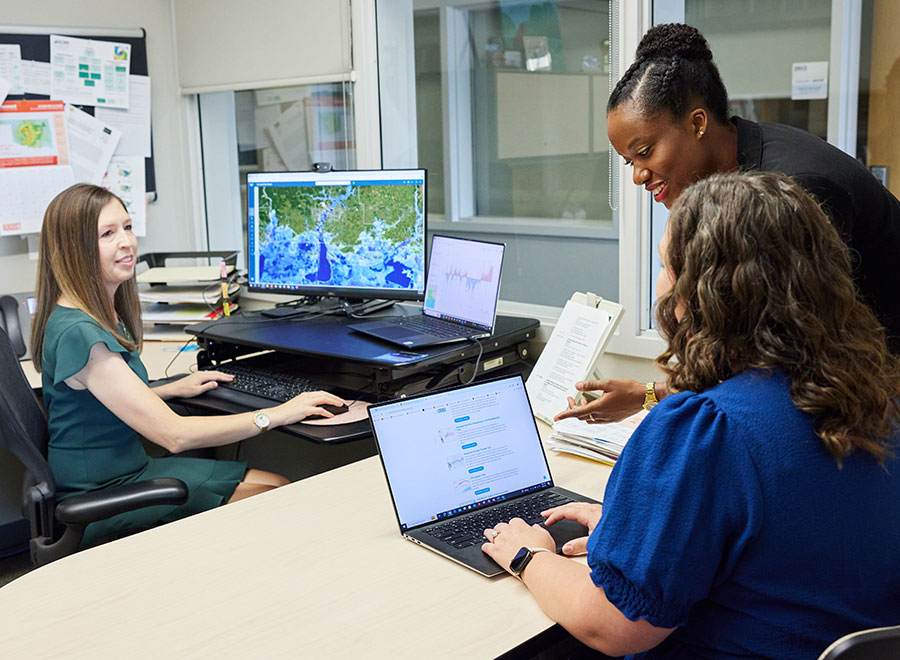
x: 579, y: 339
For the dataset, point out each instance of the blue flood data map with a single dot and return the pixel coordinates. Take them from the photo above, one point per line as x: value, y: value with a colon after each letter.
x: 354, y: 235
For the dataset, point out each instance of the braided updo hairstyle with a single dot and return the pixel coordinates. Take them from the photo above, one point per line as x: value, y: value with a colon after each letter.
x: 673, y: 70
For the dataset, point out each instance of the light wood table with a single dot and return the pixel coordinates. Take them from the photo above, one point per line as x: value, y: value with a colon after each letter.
x: 313, y: 569
x: 156, y: 356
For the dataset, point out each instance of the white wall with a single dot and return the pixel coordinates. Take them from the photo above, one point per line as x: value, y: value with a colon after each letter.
x: 170, y: 224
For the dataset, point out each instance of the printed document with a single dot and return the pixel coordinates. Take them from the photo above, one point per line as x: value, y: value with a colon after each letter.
x: 126, y: 177
x: 567, y: 358
x: 26, y: 192
x: 134, y: 123
x: 33, y: 133
x: 91, y: 145
x: 11, y: 67
x: 88, y: 72
x: 36, y: 77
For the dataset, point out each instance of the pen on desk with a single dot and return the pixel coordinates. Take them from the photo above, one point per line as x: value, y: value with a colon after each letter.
x: 223, y: 275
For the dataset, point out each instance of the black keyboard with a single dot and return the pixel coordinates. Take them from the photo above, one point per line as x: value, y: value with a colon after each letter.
x: 437, y: 327
x: 468, y: 530
x: 267, y: 383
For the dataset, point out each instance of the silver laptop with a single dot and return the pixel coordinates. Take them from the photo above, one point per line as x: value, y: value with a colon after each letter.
x: 461, y: 292
x: 461, y: 460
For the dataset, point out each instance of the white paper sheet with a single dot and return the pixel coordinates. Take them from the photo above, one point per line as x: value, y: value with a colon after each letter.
x: 809, y: 80
x: 288, y: 136
x: 5, y: 86
x: 33, y: 133
x: 271, y: 161
x: 26, y: 192
x: 126, y: 178
x: 91, y: 145
x: 11, y: 67
x: 36, y: 77
x: 566, y: 359
x: 88, y: 72
x: 134, y: 122
x: 264, y: 116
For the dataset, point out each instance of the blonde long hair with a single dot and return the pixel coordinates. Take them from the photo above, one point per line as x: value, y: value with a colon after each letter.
x: 69, y: 264
x: 763, y: 279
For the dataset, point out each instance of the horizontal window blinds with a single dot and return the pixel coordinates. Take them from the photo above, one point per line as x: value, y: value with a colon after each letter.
x: 235, y: 44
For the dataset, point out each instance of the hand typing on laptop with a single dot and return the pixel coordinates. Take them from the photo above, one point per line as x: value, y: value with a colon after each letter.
x: 506, y: 539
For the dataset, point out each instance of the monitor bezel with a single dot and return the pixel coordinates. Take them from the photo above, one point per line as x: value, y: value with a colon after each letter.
x: 345, y: 292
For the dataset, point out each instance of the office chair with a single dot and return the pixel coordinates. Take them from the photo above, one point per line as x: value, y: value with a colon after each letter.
x: 57, y: 527
x: 874, y: 644
x: 9, y: 321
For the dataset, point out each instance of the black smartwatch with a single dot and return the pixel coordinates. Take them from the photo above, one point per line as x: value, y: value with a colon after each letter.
x: 522, y: 559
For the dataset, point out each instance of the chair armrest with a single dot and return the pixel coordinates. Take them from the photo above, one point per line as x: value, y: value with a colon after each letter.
x: 107, y: 502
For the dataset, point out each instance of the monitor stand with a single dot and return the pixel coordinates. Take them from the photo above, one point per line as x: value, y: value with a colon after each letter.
x: 361, y: 306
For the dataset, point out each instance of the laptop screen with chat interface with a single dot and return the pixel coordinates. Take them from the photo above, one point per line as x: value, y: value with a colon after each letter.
x: 458, y: 450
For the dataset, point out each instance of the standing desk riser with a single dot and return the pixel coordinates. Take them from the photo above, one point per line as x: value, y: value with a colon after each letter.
x: 328, y: 352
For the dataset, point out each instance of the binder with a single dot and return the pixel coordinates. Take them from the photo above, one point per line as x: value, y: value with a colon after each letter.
x: 572, y: 353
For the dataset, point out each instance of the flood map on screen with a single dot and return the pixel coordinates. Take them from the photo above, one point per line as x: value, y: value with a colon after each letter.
x: 357, y: 234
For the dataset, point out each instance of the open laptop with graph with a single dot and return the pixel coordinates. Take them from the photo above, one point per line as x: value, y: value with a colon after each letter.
x: 461, y: 460
x: 461, y: 292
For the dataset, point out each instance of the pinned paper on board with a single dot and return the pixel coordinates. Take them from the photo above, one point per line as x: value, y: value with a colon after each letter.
x: 26, y: 192
x: 33, y: 133
x: 91, y: 145
x: 36, y: 77
x: 125, y: 178
x: 11, y: 67
x: 133, y: 122
x: 89, y: 72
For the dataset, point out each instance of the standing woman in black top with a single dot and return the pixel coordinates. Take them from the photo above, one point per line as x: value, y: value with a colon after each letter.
x: 668, y: 118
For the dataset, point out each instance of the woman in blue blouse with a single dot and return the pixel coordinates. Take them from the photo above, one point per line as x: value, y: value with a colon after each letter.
x: 754, y: 512
x: 86, y: 339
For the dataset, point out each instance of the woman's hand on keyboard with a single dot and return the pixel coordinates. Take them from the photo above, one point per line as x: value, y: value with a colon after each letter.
x: 505, y: 539
x: 582, y: 512
x: 193, y: 385
x: 304, y: 405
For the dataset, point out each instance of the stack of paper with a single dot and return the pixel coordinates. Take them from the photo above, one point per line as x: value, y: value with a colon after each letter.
x: 191, y: 294
x: 209, y: 294
x: 599, y: 442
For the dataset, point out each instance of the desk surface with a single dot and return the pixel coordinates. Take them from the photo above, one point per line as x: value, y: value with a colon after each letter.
x: 314, y: 569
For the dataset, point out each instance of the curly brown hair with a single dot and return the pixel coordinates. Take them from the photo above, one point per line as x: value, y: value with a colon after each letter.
x: 762, y: 279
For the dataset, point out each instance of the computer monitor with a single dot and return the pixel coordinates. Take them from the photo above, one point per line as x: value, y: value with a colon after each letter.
x: 358, y: 234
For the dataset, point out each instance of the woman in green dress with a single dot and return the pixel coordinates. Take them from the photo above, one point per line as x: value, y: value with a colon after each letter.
x: 86, y: 339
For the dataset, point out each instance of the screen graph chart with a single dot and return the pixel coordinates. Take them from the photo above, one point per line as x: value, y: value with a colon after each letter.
x: 464, y: 275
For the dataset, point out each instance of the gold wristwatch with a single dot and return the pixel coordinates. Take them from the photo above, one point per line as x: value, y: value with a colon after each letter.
x: 650, y: 399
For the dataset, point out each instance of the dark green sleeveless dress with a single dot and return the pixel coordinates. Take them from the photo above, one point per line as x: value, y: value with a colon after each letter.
x: 91, y: 448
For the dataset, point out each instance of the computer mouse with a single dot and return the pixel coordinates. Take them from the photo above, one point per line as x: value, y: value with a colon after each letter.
x: 335, y: 410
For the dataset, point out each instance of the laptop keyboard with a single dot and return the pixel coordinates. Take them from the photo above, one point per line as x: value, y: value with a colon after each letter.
x: 468, y: 530
x: 267, y: 383
x: 434, y: 326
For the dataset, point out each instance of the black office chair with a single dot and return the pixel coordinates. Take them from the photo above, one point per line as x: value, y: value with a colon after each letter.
x: 9, y: 321
x: 874, y: 644
x: 57, y: 527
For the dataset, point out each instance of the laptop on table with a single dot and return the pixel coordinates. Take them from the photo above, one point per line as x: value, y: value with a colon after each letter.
x: 461, y: 292
x: 461, y: 460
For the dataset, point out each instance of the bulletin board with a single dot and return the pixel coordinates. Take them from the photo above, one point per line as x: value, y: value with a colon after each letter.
x: 35, y: 45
